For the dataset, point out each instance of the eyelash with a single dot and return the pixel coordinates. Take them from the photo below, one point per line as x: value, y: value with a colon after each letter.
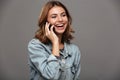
x: 53, y: 16
x: 63, y: 15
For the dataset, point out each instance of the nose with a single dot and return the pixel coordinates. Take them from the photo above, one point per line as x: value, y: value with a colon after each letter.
x: 60, y: 18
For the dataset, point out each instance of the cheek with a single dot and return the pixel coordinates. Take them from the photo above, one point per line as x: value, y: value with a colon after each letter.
x: 66, y: 20
x: 51, y: 21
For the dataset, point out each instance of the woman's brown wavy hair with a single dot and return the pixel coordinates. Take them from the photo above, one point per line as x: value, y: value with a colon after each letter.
x: 40, y: 33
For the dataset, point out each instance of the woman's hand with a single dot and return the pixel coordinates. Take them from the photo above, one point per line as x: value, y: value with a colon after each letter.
x: 50, y: 33
x: 53, y: 38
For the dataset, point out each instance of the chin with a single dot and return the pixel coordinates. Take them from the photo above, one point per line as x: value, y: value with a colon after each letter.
x: 59, y: 32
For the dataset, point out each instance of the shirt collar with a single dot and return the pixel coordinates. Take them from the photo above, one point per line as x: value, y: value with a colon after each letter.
x: 65, y: 53
x: 66, y: 47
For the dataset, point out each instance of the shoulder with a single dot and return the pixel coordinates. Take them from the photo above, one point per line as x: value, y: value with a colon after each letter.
x: 73, y: 48
x: 35, y: 43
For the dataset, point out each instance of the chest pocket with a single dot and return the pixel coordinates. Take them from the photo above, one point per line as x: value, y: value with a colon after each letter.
x: 68, y: 72
x: 73, y: 69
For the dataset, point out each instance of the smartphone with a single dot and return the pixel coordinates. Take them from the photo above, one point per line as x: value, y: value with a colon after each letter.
x: 50, y: 27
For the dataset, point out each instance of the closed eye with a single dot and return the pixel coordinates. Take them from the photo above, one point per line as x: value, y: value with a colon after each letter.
x: 64, y: 15
x: 53, y: 17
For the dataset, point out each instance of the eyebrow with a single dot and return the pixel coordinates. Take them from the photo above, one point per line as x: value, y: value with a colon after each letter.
x: 60, y: 13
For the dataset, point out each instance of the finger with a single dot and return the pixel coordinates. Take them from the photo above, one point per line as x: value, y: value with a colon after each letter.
x: 46, y: 25
x: 47, y: 28
x: 52, y: 28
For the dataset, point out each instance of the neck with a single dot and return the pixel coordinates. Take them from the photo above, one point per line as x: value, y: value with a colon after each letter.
x: 61, y: 45
x: 60, y: 38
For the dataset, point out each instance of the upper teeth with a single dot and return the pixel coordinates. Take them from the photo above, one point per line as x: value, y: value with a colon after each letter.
x: 60, y: 25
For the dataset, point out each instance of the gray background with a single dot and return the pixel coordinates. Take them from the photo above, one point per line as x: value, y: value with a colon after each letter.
x: 97, y: 26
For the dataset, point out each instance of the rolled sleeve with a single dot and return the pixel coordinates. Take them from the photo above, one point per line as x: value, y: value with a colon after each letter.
x: 45, y: 63
x: 52, y: 58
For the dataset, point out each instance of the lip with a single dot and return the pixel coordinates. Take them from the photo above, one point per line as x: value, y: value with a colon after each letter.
x: 61, y: 24
x: 59, y: 27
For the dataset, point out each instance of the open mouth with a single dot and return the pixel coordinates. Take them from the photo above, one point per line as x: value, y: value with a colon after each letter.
x: 60, y: 26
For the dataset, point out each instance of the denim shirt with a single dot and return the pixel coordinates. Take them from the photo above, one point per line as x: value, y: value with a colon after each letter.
x: 45, y: 66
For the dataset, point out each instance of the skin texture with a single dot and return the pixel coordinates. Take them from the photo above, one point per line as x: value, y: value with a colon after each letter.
x: 58, y: 19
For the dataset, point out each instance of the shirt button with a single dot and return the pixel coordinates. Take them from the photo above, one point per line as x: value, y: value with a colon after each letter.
x: 63, y: 60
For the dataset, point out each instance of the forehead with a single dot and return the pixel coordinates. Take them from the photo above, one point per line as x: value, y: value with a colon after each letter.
x: 56, y: 10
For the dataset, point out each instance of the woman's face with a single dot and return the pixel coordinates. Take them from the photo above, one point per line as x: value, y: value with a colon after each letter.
x: 57, y: 17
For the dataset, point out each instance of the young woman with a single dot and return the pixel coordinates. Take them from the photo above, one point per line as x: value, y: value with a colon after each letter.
x: 51, y: 54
